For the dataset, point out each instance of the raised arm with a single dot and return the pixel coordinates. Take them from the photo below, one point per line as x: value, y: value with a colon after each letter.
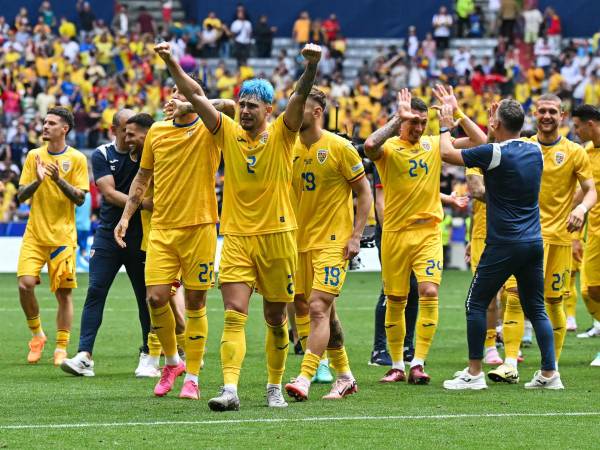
x: 475, y: 135
x: 138, y: 188
x: 449, y: 154
x: 175, y: 108
x: 375, y: 141
x: 189, y: 88
x: 294, y: 111
x: 364, y: 199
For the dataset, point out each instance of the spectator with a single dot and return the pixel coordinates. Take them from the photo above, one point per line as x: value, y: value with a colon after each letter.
x: 476, y: 23
x: 241, y: 29
x: 331, y: 26
x: 543, y: 51
x: 553, y: 27
x: 209, y: 42
x: 442, y: 26
x: 462, y: 61
x: 212, y: 20
x: 263, y: 34
x: 317, y: 35
x: 167, y: 12
x: 464, y: 8
x: 47, y: 14
x: 533, y: 21
x: 429, y: 47
x: 493, y: 13
x: 87, y: 18
x: 145, y: 21
x: 301, y: 29
x: 509, y: 11
x: 120, y: 23
x: 412, y: 42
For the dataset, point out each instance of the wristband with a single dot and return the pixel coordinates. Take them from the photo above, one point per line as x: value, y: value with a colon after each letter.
x: 582, y: 206
x: 444, y: 130
x: 459, y: 115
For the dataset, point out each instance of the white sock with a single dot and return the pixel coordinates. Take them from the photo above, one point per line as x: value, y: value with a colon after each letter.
x: 346, y: 375
x: 556, y: 366
x: 596, y: 324
x: 39, y: 334
x: 512, y: 361
x: 269, y: 386
x: 231, y: 388
x: 154, y: 360
x: 190, y: 377
x: 324, y: 362
x: 489, y: 349
x: 398, y: 365
x: 172, y: 360
x: 416, y: 362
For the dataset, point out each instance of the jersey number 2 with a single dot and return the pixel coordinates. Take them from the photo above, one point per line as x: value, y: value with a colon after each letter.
x: 251, y: 162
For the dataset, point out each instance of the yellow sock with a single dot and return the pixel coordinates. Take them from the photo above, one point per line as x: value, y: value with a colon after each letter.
x: 571, y: 299
x: 303, y: 328
x: 154, y: 346
x: 503, y: 299
x: 427, y: 322
x: 196, y: 333
x: 310, y: 364
x: 180, y: 338
x: 276, y: 346
x: 339, y: 361
x: 163, y: 322
x: 395, y: 328
x: 490, y: 338
x: 558, y: 319
x: 324, y: 356
x: 35, y: 325
x: 513, y: 326
x: 592, y: 306
x: 233, y: 346
x: 62, y: 339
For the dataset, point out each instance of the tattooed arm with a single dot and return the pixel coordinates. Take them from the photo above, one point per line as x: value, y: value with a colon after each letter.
x: 295, y: 108
x: 26, y: 191
x: 74, y: 194
x: 176, y: 108
x: 138, y: 188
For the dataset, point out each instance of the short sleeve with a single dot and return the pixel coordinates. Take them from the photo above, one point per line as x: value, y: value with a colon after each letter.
x: 486, y: 156
x: 377, y: 184
x: 288, y: 135
x: 100, y: 165
x: 28, y: 174
x: 583, y: 167
x: 351, y: 165
x: 81, y: 177
x: 225, y: 126
x: 147, y: 161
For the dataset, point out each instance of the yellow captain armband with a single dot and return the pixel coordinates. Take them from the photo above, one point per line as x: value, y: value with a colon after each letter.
x: 459, y: 115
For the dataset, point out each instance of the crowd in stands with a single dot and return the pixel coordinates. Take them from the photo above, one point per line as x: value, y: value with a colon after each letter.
x: 95, y: 68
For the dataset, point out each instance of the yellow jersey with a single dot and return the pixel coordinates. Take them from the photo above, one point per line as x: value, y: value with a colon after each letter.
x: 258, y: 178
x: 321, y: 186
x: 410, y: 174
x: 565, y: 163
x: 185, y: 160
x: 146, y: 217
x: 52, y: 217
x: 594, y: 214
x: 479, y: 225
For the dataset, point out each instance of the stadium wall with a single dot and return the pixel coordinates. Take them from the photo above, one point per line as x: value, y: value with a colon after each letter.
x: 103, y: 9
x: 381, y: 18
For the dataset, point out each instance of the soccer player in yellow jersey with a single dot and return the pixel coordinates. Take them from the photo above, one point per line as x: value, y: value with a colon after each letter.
x: 586, y: 121
x: 566, y: 165
x: 181, y: 158
x: 473, y: 254
x: 55, y: 178
x: 327, y: 168
x: 258, y: 221
x: 409, y: 165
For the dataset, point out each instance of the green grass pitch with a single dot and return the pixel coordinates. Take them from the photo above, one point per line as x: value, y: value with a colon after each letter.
x: 42, y: 407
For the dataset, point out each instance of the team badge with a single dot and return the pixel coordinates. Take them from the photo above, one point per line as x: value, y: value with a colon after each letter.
x: 426, y: 145
x: 559, y: 157
x: 321, y: 155
x: 66, y: 165
x: 190, y: 132
x: 263, y: 138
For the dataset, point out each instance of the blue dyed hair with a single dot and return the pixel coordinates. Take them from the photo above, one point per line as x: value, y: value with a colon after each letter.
x: 259, y: 88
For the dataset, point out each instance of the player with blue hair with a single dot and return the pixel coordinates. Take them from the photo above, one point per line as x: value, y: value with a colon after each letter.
x: 258, y: 221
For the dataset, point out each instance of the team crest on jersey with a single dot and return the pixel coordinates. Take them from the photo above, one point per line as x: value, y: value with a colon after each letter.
x: 263, y: 138
x: 190, y: 132
x: 322, y: 155
x: 426, y: 145
x: 66, y: 165
x: 559, y: 157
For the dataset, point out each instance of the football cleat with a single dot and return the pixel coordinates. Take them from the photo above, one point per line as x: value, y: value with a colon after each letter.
x: 463, y: 380
x: 298, y: 389
x: 190, y: 390
x: 380, y: 358
x: 416, y: 375
x: 492, y: 357
x: 79, y: 365
x: 393, y: 376
x: 504, y: 373
x: 591, y: 332
x: 36, y: 347
x: 541, y: 382
x: 275, y: 397
x: 59, y: 356
x: 342, y: 388
x: 596, y: 361
x: 225, y: 401
x: 167, y: 379
x: 146, y: 368
x: 323, y: 375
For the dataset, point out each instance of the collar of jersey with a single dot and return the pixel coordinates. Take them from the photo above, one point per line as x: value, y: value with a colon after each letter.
x: 57, y: 153
x: 183, y: 125
x: 552, y: 144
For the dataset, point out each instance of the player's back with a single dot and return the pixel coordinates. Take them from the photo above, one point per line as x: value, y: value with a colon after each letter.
x: 594, y: 214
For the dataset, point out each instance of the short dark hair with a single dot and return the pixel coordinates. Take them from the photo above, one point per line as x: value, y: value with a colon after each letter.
x: 64, y: 114
x: 511, y: 115
x: 587, y: 112
x: 143, y: 120
x: 549, y: 97
x: 318, y: 96
x: 417, y: 104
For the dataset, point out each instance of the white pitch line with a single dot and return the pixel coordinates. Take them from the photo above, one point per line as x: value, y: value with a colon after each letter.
x: 257, y: 308
x: 303, y: 419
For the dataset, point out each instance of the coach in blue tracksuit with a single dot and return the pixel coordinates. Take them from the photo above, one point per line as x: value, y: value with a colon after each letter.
x: 114, y: 167
x: 512, y: 173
